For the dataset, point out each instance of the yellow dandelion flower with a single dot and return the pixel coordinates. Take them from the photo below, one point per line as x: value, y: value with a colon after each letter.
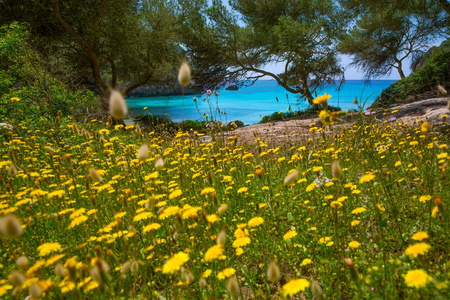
x: 289, y: 235
x: 206, y: 273
x: 425, y: 198
x: 175, y: 194
x: 152, y: 226
x: 311, y: 187
x: 47, y: 248
x: 77, y: 221
x: 322, y: 99
x: 170, y: 211
x: 226, y: 273
x: 306, y: 261
x: 212, y: 218
x: 241, y: 242
x: 417, y: 249
x: 142, y: 216
x: 355, y: 222
x: 175, y: 262
x: 366, y: 178
x: 417, y: 278
x: 354, y: 244
x: 325, y: 117
x: 208, y: 190
x: 242, y: 190
x: 213, y: 253
x: 358, y: 210
x: 421, y: 235
x: 256, y: 221
x: 295, y: 286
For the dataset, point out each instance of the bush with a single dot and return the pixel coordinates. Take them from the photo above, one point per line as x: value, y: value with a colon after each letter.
x: 308, y: 113
x: 435, y: 70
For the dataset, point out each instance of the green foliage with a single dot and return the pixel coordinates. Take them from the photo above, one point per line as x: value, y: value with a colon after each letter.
x: 163, y: 123
x: 308, y: 113
x: 434, y: 70
x: 27, y: 85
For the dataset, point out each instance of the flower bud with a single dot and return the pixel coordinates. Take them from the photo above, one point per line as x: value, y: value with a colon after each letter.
x: 352, y: 269
x: 117, y: 105
x: 12, y: 171
x: 232, y: 286
x: 290, y: 178
x: 159, y: 164
x: 74, y: 128
x: 16, y: 278
x: 125, y: 267
x: 10, y: 227
x: 184, y: 74
x: 143, y: 152
x: 273, y: 272
x: 316, y: 289
x: 336, y: 170
x: 22, y: 262
x: 202, y: 283
x: 94, y: 175
x: 221, y: 210
x: 221, y: 238
x: 442, y: 90
x: 35, y: 290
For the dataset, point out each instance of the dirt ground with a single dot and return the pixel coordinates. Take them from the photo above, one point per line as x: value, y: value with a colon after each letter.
x: 279, y: 132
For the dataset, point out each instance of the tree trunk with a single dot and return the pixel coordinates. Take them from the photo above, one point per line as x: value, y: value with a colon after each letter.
x: 400, y: 72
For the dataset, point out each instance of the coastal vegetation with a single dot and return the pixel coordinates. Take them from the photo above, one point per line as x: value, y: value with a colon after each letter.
x: 92, y: 207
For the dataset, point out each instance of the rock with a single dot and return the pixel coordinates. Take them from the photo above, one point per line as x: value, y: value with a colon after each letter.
x: 232, y: 87
x: 235, y: 124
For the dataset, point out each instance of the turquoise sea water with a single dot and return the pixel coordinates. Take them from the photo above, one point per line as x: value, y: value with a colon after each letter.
x: 250, y: 104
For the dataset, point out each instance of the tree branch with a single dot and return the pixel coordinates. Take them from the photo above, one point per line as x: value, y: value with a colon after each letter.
x: 95, y: 24
x: 445, y: 5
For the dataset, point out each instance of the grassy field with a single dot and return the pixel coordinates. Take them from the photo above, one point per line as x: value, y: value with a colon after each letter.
x: 89, y: 213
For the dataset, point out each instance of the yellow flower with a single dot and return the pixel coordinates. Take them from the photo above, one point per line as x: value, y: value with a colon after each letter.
x: 425, y: 198
x: 355, y: 222
x: 152, y: 226
x: 208, y: 190
x: 289, y: 235
x: 295, y: 286
x: 175, y: 194
x: 425, y: 127
x: 354, y: 244
x: 239, y: 251
x: 306, y: 261
x: 170, y: 211
x: 321, y: 99
x: 175, y: 262
x: 226, y: 273
x: 417, y: 249
x: 206, y: 273
x: 417, y: 278
x: 213, y: 253
x: 325, y: 117
x: 366, y: 178
x: 142, y: 216
x: 241, y: 242
x: 421, y: 235
x: 48, y: 248
x: 77, y: 221
x: 212, y: 218
x: 358, y: 210
x: 242, y: 190
x: 310, y: 187
x: 256, y: 221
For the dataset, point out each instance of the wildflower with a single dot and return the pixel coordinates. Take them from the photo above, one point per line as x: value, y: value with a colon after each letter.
x: 425, y: 127
x: 222, y: 209
x: 417, y: 278
x: 150, y: 227
x: 221, y: 238
x: 291, y: 177
x: 22, y: 262
x: 354, y: 244
x: 273, y: 272
x: 295, y: 286
x: 206, y: 273
x: 208, y: 190
x: 212, y: 218
x: 94, y: 175
x: 306, y: 262
x: 175, y: 194
x: 48, y: 248
x: 10, y: 227
x: 366, y: 178
x: 425, y: 198
x: 256, y: 221
x: 214, y: 252
x: 289, y: 235
x: 232, y: 286
x: 77, y: 221
x: 175, y: 262
x: 159, y: 164
x: 35, y: 291
x: 336, y: 170
x: 143, y: 152
x: 417, y: 249
x: 358, y: 210
x: 316, y: 289
x: 441, y: 90
x: 242, y: 190
x: 74, y: 128
x: 226, y: 273
x: 16, y: 278
x: 321, y: 99
x: 325, y: 117
x: 117, y: 105
x: 241, y: 242
x: 184, y: 74
x: 419, y: 236
x: 12, y: 171
x: 355, y: 222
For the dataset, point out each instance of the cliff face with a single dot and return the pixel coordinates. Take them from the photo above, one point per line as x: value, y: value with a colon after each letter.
x: 164, y: 90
